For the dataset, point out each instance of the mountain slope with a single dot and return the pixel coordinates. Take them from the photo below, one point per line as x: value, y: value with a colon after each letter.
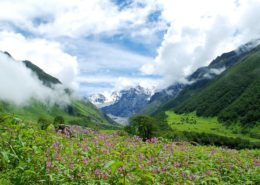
x: 232, y: 96
x: 161, y: 97
x: 200, y: 78
x: 78, y: 111
x: 47, y: 79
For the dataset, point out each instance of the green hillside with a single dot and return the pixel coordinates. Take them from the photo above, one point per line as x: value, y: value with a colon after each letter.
x: 234, y: 96
x: 78, y: 111
x: 47, y: 79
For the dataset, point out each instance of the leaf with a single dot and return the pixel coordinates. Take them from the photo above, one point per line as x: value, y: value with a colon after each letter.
x: 114, y: 165
x: 110, y: 163
x: 5, y: 156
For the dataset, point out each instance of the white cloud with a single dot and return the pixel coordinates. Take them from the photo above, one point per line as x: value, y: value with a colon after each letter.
x: 48, y: 55
x: 50, y: 22
x: 118, y: 83
x: 94, y: 56
x: 76, y: 18
x: 200, y: 31
x: 18, y: 85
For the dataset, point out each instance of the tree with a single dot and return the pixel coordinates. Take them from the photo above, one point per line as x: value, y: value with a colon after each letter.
x: 58, y: 120
x: 143, y: 126
x: 43, y: 123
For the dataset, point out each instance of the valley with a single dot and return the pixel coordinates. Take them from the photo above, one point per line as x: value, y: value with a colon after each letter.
x: 129, y: 92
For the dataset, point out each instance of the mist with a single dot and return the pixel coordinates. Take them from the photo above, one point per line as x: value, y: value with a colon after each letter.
x: 19, y: 85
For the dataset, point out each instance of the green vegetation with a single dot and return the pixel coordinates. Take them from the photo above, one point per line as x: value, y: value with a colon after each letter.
x: 209, y: 131
x: 59, y: 120
x: 191, y: 122
x: 143, y: 126
x: 47, y: 79
x: 78, y: 112
x: 234, y: 96
x: 29, y: 155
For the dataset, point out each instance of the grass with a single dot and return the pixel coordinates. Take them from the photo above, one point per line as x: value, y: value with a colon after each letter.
x: 191, y: 122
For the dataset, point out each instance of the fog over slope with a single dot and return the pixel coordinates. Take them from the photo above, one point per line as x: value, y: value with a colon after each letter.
x: 19, y: 84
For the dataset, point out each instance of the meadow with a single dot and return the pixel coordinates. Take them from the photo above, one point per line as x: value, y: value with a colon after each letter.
x: 78, y: 155
x: 210, y: 125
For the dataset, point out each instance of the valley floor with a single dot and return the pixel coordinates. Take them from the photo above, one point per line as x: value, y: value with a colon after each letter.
x: 192, y: 123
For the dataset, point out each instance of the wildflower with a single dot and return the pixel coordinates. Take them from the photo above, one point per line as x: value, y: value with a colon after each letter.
x: 153, y: 140
x: 56, y: 145
x: 98, y: 172
x: 72, y: 165
x: 184, y: 175
x: 256, y: 162
x: 121, y: 170
x: 58, y: 158
x: 191, y: 177
x: 177, y: 164
x: 85, y: 160
x: 142, y: 157
x: 48, y: 164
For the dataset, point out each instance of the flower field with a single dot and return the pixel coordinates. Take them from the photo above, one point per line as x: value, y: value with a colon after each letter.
x: 79, y: 155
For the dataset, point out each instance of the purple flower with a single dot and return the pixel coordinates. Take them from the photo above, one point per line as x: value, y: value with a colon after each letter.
x: 121, y: 170
x: 56, y: 145
x: 256, y: 162
x: 85, y: 160
x: 177, y: 164
x: 98, y: 172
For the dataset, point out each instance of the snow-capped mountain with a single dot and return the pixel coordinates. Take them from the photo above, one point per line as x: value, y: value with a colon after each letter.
x: 106, y: 99
x: 123, y: 103
x: 130, y: 102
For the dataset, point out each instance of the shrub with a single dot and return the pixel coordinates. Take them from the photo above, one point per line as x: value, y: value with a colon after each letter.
x: 143, y: 126
x: 58, y: 120
x: 43, y: 123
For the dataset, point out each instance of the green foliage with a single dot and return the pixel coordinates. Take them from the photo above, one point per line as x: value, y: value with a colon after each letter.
x: 58, y: 120
x: 29, y: 155
x: 143, y: 126
x: 190, y: 127
x: 234, y: 96
x: 43, y: 123
x: 78, y: 112
x: 47, y: 79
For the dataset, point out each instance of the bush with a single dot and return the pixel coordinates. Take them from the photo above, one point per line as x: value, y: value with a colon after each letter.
x: 43, y: 123
x: 58, y: 120
x: 143, y: 126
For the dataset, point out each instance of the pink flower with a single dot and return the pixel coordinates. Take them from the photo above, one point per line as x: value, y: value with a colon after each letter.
x: 153, y: 140
x: 98, y: 172
x: 256, y: 162
x: 177, y: 164
x: 85, y: 161
x: 48, y: 164
x: 121, y: 170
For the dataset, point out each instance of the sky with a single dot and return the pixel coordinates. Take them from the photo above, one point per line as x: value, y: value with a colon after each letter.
x: 105, y: 45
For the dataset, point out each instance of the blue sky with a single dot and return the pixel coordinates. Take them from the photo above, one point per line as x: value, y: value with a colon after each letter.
x: 105, y: 45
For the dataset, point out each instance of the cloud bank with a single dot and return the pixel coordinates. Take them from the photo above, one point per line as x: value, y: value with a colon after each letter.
x: 18, y: 85
x: 48, y: 55
x: 201, y: 30
x: 183, y: 35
